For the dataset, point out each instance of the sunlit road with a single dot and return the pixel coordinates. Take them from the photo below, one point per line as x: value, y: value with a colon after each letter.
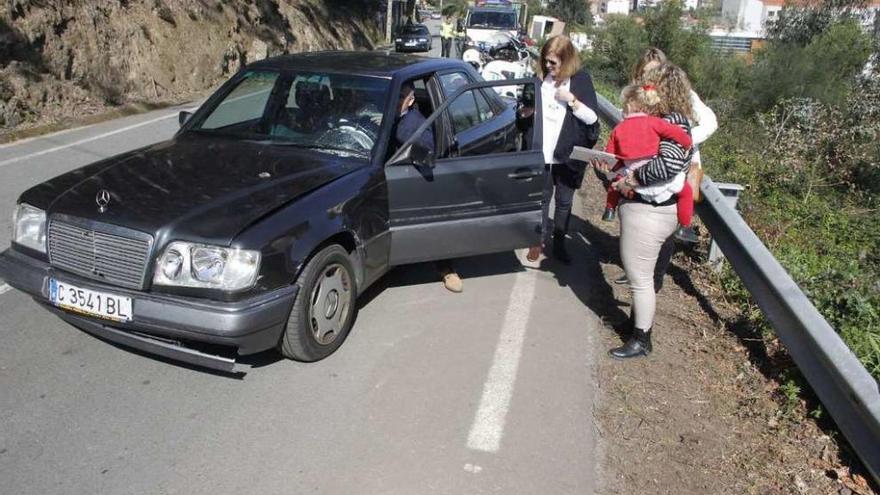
x: 488, y: 391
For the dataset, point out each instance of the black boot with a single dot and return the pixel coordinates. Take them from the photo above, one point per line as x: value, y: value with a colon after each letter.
x: 559, y: 251
x: 637, y: 345
x: 608, y: 215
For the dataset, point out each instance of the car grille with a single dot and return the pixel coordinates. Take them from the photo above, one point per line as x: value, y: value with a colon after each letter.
x: 108, y: 253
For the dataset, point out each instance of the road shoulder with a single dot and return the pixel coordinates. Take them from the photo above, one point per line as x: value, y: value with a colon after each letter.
x: 701, y: 414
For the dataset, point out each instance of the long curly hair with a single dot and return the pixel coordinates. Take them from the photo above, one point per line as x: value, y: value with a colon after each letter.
x: 674, y: 88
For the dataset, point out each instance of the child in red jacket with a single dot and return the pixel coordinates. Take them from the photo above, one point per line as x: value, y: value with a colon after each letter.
x: 636, y: 140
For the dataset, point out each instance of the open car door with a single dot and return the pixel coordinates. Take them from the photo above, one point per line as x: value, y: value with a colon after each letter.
x: 482, y: 194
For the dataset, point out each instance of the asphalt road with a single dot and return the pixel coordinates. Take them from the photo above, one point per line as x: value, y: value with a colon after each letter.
x: 488, y: 391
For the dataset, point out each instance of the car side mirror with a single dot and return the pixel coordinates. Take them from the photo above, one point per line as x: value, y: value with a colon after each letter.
x: 183, y: 117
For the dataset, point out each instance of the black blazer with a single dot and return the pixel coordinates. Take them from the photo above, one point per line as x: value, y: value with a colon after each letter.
x: 575, y: 132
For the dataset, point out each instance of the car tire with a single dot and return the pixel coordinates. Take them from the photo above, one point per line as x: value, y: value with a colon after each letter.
x: 324, y: 310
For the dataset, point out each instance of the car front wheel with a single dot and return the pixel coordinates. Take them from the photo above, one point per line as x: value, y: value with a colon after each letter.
x: 324, y: 310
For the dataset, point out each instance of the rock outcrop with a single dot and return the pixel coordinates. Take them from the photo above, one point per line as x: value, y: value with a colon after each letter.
x: 68, y: 58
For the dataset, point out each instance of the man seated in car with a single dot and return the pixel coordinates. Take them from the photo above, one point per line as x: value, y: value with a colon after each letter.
x: 409, y: 120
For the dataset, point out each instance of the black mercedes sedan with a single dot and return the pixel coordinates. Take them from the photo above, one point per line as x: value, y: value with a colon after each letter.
x: 277, y: 203
x: 413, y: 38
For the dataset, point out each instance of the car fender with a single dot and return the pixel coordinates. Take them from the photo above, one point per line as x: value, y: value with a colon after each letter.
x: 351, y: 210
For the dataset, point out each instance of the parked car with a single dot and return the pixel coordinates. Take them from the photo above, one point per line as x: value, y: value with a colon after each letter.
x: 277, y: 203
x: 413, y: 38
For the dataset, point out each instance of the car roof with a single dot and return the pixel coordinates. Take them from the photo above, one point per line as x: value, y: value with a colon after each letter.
x: 369, y: 63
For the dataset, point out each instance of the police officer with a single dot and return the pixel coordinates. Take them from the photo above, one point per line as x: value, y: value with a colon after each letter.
x: 447, y: 32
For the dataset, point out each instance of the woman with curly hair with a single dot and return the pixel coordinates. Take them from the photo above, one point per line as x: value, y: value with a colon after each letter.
x: 646, y: 228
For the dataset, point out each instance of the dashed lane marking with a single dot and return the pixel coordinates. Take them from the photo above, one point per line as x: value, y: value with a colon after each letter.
x: 488, y: 426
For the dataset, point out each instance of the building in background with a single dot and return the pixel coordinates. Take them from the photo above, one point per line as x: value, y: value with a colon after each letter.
x: 752, y: 16
x: 612, y: 7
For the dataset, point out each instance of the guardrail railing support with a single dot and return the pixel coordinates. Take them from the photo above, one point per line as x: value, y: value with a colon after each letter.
x: 731, y: 192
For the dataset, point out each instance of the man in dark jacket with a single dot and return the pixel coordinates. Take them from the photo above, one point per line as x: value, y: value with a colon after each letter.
x: 409, y: 120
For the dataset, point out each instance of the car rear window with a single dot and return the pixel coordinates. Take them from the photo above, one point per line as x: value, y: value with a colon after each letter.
x: 415, y: 30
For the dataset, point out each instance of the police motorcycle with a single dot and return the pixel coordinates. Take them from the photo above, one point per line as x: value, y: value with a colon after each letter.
x: 502, y: 57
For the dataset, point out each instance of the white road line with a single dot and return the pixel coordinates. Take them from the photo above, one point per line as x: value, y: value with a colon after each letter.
x: 4, y: 288
x: 62, y: 132
x: 86, y: 140
x: 488, y: 426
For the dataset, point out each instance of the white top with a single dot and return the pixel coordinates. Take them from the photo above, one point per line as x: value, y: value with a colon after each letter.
x: 553, y: 114
x: 706, y: 124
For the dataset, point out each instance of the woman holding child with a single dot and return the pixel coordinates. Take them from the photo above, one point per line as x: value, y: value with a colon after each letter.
x: 655, y: 196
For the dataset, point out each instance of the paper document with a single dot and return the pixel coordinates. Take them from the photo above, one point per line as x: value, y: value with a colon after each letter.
x: 588, y: 155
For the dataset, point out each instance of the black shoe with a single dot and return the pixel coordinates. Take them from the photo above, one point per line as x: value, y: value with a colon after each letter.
x: 559, y: 251
x: 637, y: 345
x: 686, y: 234
x: 621, y: 280
x: 609, y: 215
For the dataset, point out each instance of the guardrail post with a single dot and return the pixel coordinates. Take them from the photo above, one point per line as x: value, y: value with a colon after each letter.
x: 731, y: 194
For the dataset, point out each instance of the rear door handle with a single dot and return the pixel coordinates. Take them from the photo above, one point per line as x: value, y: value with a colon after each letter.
x: 524, y: 174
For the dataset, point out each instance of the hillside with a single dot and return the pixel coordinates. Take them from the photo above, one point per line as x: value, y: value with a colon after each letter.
x: 65, y: 59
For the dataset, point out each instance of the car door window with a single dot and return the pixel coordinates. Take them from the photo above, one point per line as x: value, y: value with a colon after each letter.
x: 463, y: 111
x: 485, y: 110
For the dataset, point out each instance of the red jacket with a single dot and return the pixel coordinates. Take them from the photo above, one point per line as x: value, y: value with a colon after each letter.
x: 639, y: 135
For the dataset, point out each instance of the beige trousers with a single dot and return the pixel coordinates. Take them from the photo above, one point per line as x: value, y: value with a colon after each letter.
x: 643, y: 229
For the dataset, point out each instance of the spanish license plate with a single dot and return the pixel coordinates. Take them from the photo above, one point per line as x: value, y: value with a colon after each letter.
x: 410, y: 43
x: 89, y: 302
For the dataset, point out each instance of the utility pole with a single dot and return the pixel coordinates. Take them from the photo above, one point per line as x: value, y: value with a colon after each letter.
x: 388, y: 20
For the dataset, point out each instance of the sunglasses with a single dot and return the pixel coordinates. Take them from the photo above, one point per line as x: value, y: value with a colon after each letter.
x: 552, y: 63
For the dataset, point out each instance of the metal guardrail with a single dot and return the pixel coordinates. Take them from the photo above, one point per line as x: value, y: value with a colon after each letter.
x: 844, y: 386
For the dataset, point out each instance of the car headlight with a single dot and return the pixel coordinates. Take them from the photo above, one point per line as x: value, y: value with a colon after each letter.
x: 399, y: 40
x: 29, y: 227
x: 423, y: 40
x: 186, y: 264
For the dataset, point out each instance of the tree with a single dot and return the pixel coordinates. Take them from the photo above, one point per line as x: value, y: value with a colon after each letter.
x: 616, y: 47
x: 575, y: 12
x: 799, y: 25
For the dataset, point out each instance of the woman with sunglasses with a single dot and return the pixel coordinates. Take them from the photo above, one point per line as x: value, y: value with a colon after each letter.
x: 569, y: 119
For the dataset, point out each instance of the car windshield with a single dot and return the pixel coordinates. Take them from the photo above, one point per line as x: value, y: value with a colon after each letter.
x: 501, y: 20
x: 415, y: 30
x: 336, y: 113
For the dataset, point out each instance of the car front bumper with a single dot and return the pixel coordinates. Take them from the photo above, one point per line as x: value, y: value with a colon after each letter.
x: 163, y: 324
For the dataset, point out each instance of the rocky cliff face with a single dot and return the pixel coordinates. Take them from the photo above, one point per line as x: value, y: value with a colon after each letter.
x: 69, y: 58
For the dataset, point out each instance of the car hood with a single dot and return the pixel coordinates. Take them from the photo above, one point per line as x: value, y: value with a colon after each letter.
x: 194, y: 187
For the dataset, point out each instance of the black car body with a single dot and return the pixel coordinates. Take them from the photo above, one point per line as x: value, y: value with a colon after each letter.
x: 413, y: 38
x: 276, y: 204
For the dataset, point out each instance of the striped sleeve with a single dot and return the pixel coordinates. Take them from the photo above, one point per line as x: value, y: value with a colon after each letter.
x: 670, y: 160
